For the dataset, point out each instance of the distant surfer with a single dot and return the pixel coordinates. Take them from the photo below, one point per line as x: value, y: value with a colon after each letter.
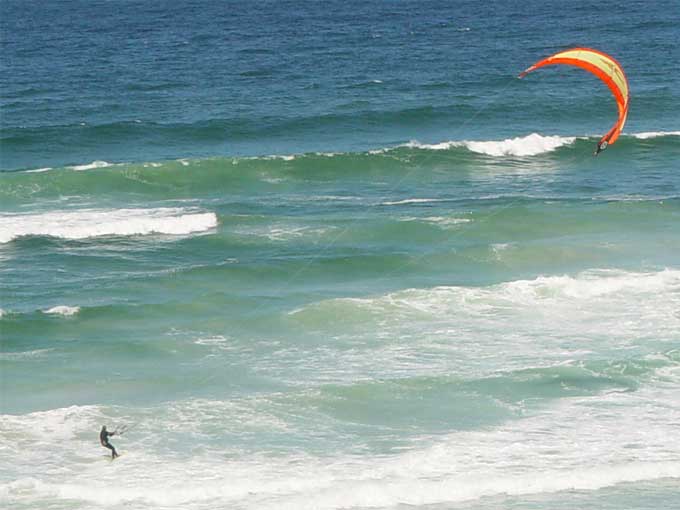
x: 602, y: 145
x: 104, y: 436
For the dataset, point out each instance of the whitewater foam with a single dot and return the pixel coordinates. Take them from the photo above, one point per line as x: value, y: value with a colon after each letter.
x: 442, y: 146
x: 281, y: 232
x: 655, y: 134
x: 91, y: 166
x: 281, y: 157
x: 217, y: 342
x: 546, y: 454
x: 586, y: 285
x: 442, y: 221
x: 61, y: 423
x: 597, y: 283
x: 64, y: 310
x: 581, y: 443
x: 370, y: 493
x: 413, y: 201
x: 86, y: 223
x: 212, y: 340
x: 23, y: 355
x: 530, y: 145
x: 325, y: 492
x: 535, y: 316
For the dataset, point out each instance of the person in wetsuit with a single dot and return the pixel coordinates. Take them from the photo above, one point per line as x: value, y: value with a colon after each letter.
x: 104, y: 436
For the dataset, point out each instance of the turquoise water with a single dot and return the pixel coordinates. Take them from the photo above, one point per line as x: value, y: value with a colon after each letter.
x: 336, y: 265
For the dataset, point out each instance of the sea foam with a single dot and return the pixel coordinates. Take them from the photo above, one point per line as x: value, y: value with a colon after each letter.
x: 616, y: 306
x: 655, y: 134
x: 413, y: 201
x: 530, y: 145
x: 86, y: 223
x: 593, y: 284
x: 575, y: 444
x: 441, y: 221
x: 91, y: 166
x: 64, y: 310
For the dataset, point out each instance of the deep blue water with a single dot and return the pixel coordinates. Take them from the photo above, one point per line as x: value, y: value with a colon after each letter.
x: 143, y: 81
x: 332, y: 255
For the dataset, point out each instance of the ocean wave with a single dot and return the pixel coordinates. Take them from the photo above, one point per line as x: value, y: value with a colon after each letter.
x: 86, y: 223
x: 367, y: 493
x: 177, y: 179
x: 283, y: 232
x: 442, y: 221
x: 362, y: 84
x: 487, y: 398
x: 328, y: 490
x: 530, y: 145
x: 60, y: 423
x: 64, y: 310
x: 216, y: 341
x: 654, y: 134
x: 592, y: 284
x: 621, y: 436
x: 91, y: 166
x: 533, y: 144
x: 607, y: 303
x: 407, y: 201
x: 23, y: 355
x: 536, y: 456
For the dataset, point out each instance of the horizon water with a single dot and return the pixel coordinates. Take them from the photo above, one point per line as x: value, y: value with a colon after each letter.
x: 335, y: 255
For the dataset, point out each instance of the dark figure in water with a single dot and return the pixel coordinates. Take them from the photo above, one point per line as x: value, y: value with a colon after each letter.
x: 104, y: 440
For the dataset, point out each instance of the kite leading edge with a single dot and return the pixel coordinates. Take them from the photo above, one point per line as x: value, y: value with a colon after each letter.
x: 604, y: 67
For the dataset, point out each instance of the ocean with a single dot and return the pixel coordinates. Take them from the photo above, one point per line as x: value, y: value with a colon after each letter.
x: 335, y: 255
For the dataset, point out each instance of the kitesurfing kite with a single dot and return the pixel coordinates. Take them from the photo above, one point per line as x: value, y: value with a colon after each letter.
x: 607, y: 69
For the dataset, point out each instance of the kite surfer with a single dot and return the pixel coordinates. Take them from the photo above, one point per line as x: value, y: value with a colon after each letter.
x: 104, y: 436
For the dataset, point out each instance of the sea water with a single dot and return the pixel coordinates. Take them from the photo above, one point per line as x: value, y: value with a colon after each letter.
x: 335, y: 255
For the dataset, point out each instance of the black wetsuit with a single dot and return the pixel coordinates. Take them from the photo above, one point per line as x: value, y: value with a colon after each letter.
x: 104, y: 440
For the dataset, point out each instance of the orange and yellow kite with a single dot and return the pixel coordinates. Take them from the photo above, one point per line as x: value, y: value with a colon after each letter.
x: 607, y: 69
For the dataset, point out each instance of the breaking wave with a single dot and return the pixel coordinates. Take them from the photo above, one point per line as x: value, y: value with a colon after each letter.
x: 530, y: 145
x: 64, y: 310
x: 86, y: 223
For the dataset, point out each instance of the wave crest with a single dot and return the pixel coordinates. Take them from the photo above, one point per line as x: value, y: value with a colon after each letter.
x: 86, y: 223
x: 64, y: 310
x: 530, y: 145
x: 654, y: 134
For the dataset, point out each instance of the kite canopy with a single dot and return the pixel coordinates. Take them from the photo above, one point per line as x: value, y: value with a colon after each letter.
x: 607, y: 69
